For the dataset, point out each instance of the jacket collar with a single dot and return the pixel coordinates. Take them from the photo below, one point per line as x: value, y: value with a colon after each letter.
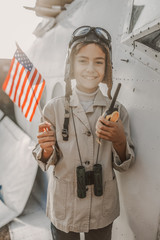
x: 78, y: 111
x: 100, y: 99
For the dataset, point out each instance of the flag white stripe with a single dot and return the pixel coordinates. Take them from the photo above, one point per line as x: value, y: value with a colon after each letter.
x: 20, y: 86
x: 26, y: 86
x: 15, y: 82
x: 11, y: 77
x: 39, y: 86
x: 34, y: 100
x: 30, y: 94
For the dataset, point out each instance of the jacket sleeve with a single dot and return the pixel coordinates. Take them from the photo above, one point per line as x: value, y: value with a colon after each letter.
x: 37, y: 151
x: 130, y: 155
x: 53, y: 159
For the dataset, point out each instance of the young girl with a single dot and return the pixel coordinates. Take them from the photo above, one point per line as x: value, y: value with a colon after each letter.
x: 82, y: 191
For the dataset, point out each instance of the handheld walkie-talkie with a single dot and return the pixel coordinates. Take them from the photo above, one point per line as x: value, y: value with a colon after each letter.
x: 112, y: 113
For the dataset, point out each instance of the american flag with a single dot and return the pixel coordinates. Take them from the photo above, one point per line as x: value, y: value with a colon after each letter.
x: 24, y: 84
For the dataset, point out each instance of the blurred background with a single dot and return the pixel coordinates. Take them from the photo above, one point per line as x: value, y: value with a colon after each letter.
x: 22, y: 22
x: 42, y: 28
x: 17, y: 24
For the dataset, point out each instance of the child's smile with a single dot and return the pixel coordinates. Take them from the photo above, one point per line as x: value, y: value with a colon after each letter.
x: 89, y: 67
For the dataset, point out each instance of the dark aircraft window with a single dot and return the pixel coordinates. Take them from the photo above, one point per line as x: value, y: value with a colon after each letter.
x: 136, y: 12
x: 152, y: 40
x: 142, y: 13
x: 43, y: 98
x: 142, y: 30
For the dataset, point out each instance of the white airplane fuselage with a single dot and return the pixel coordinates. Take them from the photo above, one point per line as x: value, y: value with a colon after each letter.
x: 136, y: 67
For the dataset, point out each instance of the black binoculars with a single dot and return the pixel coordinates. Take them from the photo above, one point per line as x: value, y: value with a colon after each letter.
x: 85, y: 178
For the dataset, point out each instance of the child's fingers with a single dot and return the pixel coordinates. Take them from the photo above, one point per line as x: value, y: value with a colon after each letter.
x: 46, y: 139
x: 47, y: 145
x: 47, y: 142
x: 107, y: 123
x: 104, y: 124
x: 103, y: 135
x: 44, y: 126
x: 45, y: 133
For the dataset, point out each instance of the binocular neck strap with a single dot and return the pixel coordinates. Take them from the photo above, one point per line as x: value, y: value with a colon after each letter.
x: 97, y: 153
x: 77, y: 139
x: 99, y: 143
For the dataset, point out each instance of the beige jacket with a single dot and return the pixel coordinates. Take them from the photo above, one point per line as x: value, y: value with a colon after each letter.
x: 65, y: 210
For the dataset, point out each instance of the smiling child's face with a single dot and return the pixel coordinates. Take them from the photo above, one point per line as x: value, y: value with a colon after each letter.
x: 89, y: 67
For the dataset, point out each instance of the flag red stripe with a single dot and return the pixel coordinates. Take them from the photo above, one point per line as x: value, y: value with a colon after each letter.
x: 29, y: 88
x: 19, y: 79
x: 36, y: 103
x: 8, y: 76
x: 19, y: 82
x: 13, y: 79
x: 22, y: 89
x: 33, y: 95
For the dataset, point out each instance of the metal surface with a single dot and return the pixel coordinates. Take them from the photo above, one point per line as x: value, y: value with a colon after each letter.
x: 135, y: 69
x: 32, y: 224
x: 1, y: 114
x: 16, y: 166
x: 140, y: 186
x: 149, y: 12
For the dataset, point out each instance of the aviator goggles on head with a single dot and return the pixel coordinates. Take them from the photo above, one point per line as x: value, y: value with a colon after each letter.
x: 85, y: 34
x: 83, y: 31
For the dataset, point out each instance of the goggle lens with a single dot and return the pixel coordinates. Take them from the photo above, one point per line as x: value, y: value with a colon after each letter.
x: 103, y: 33
x: 80, y: 32
x: 84, y: 30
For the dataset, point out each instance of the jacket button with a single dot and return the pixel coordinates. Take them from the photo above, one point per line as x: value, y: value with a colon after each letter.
x: 87, y: 162
x: 88, y: 133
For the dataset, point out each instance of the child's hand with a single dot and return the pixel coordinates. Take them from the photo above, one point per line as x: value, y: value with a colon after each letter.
x: 46, y: 139
x: 110, y: 131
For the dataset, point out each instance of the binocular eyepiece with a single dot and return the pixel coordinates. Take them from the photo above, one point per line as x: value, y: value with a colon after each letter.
x: 85, y: 178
